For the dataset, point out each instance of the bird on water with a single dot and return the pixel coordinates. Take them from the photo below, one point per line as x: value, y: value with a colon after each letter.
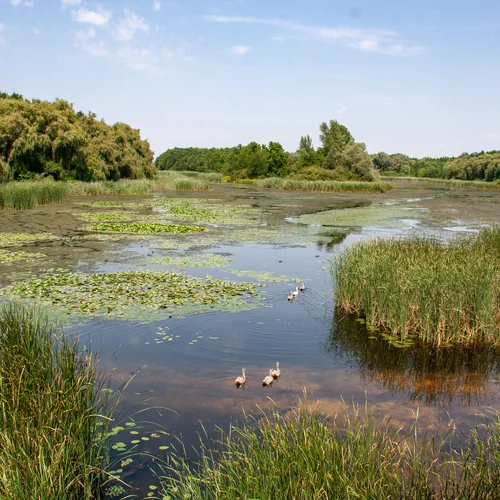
x: 268, y: 380
x: 239, y: 381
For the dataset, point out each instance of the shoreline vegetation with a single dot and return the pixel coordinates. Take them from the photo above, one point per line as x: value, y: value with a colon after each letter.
x: 54, y: 411
x: 422, y: 289
x: 306, y: 455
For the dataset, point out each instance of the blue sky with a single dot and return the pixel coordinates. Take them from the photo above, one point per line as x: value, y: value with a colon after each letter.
x: 420, y: 77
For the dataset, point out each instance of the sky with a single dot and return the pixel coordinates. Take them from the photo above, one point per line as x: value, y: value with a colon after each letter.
x: 419, y: 77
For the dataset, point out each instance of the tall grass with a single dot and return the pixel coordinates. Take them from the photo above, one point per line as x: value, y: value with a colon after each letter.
x: 307, y: 456
x: 446, y: 182
x: 320, y: 186
x: 419, y: 287
x: 19, y: 195
x: 52, y: 412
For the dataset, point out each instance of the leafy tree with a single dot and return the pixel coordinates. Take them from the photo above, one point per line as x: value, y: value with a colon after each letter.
x: 277, y: 161
x: 306, y: 154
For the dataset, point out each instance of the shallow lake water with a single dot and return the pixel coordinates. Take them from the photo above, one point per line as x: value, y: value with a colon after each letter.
x: 185, y: 365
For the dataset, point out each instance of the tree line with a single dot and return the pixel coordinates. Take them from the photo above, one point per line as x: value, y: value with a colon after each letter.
x: 340, y: 157
x: 42, y: 138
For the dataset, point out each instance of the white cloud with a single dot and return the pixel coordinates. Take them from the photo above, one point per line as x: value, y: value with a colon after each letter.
x: 493, y: 136
x: 138, y: 59
x: 85, y: 39
x: 240, y: 50
x: 156, y: 5
x: 15, y: 3
x: 29, y: 3
x: 65, y: 3
x: 2, y: 27
x: 365, y: 39
x: 37, y: 31
x: 341, y: 110
x: 97, y: 17
x: 128, y: 25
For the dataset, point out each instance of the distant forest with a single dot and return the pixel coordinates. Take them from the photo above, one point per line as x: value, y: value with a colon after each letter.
x: 41, y: 138
x: 338, y: 158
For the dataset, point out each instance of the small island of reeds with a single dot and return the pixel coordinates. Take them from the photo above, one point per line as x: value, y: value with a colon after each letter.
x: 421, y: 288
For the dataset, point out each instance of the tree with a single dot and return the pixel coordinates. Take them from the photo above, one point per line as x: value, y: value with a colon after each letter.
x: 334, y: 137
x: 277, y: 161
x: 306, y: 154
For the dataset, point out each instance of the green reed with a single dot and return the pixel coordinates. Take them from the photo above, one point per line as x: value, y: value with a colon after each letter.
x: 191, y: 185
x: 320, y: 186
x: 306, y: 456
x: 53, y: 412
x: 446, y: 182
x: 421, y: 288
x: 28, y: 194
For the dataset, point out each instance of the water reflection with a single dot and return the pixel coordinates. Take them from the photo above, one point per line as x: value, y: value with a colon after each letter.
x: 432, y: 376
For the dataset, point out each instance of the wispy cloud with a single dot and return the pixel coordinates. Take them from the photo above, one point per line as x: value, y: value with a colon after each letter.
x: 86, y: 39
x: 98, y: 17
x: 65, y: 3
x: 128, y: 25
x: 375, y: 40
x: 156, y: 5
x: 341, y: 110
x: 15, y: 3
x: 493, y: 136
x: 2, y: 27
x: 240, y: 50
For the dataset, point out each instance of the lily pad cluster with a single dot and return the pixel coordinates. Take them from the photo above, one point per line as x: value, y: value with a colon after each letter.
x: 7, y: 257
x: 198, y: 260
x: 108, y: 216
x: 145, y: 227
x: 108, y: 293
x: 16, y: 239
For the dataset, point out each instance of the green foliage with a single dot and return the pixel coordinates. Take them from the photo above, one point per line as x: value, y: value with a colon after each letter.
x: 53, y: 412
x: 305, y: 455
x: 393, y: 164
x: 18, y: 195
x: 476, y: 166
x: 145, y: 227
x: 418, y: 287
x: 40, y: 138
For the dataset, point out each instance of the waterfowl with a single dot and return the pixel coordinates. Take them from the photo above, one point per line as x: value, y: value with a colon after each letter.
x: 268, y: 380
x: 296, y: 292
x: 290, y: 297
x: 302, y: 287
x: 276, y: 372
x: 239, y: 381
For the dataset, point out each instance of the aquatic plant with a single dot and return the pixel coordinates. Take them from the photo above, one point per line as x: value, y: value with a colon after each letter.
x: 7, y: 257
x: 139, y: 290
x: 145, y: 228
x: 53, y: 411
x: 446, y: 182
x: 28, y: 194
x: 421, y: 288
x: 305, y: 455
x: 17, y: 239
x: 191, y: 185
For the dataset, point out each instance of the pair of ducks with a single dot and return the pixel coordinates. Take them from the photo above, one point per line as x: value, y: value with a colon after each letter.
x: 274, y: 373
x: 295, y: 292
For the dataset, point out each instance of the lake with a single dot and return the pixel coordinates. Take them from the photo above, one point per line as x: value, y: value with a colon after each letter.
x: 185, y: 360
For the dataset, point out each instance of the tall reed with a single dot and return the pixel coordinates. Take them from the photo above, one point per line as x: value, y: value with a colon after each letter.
x: 53, y: 410
x: 439, y: 293
x: 446, y: 182
x: 307, y: 456
x: 28, y: 194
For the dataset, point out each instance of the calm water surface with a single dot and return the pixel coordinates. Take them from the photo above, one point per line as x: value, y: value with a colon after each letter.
x: 180, y: 383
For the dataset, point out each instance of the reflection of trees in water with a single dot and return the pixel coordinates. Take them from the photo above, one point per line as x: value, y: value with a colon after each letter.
x: 435, y: 376
x: 329, y: 241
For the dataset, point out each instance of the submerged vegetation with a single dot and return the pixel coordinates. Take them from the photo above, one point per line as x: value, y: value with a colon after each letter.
x: 422, y: 288
x: 53, y: 412
x: 307, y: 456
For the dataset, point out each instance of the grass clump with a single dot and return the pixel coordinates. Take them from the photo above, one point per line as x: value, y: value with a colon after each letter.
x: 191, y: 185
x: 22, y: 195
x: 52, y: 437
x: 420, y: 288
x: 307, y: 456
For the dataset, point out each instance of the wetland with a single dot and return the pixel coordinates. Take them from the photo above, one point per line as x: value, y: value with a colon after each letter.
x: 184, y: 289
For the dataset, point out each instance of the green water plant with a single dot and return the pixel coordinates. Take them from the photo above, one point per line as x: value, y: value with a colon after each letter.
x: 53, y: 411
x: 22, y: 195
x: 420, y: 288
x: 8, y: 257
x: 145, y: 228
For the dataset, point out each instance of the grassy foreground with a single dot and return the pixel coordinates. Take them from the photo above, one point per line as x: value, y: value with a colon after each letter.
x: 421, y: 288
x: 307, y: 456
x: 52, y: 436
x: 19, y: 195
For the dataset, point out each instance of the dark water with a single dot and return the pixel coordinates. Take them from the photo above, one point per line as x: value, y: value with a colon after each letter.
x: 180, y: 383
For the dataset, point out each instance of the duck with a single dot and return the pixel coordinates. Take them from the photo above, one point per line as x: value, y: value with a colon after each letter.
x: 302, y: 287
x: 290, y: 297
x: 296, y: 292
x: 239, y: 381
x: 268, y: 380
x: 276, y: 372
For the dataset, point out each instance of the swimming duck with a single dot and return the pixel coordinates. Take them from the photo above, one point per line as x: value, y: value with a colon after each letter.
x: 296, y: 292
x: 290, y: 297
x: 302, y: 287
x: 268, y: 380
x: 276, y: 372
x: 239, y: 381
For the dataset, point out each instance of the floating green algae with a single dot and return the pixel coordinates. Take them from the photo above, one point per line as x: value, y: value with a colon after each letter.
x: 264, y: 276
x: 17, y: 239
x: 145, y: 227
x: 7, y: 257
x: 204, y: 260
x: 133, y: 293
x: 108, y: 216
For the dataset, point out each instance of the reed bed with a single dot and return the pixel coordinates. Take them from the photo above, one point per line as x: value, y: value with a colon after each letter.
x: 26, y: 194
x: 446, y: 182
x: 420, y: 288
x: 307, y: 456
x: 191, y: 185
x: 319, y: 186
x: 207, y: 176
x: 53, y: 409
